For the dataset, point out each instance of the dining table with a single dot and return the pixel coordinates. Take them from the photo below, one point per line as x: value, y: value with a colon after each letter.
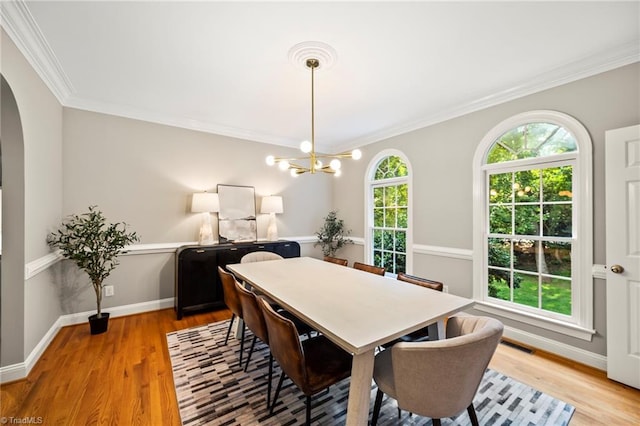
x: 357, y: 310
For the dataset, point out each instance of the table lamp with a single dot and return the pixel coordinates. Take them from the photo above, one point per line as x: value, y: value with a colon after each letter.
x: 272, y: 205
x: 205, y: 203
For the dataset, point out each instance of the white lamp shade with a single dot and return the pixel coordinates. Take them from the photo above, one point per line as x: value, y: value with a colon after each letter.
x: 271, y: 204
x: 205, y: 202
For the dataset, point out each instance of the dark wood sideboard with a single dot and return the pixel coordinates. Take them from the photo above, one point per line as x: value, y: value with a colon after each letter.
x: 197, y: 284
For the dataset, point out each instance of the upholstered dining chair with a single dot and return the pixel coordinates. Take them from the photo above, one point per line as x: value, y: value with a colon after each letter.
x: 260, y: 256
x: 440, y: 378
x: 336, y: 260
x: 312, y: 364
x: 232, y: 301
x: 378, y: 270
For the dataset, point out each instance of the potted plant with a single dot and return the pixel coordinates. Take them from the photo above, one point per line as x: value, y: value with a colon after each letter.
x: 332, y: 236
x: 93, y: 245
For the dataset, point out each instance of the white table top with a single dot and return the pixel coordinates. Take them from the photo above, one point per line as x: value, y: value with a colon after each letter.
x: 357, y: 310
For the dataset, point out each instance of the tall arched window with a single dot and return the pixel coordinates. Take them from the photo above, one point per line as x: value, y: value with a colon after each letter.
x: 532, y: 230
x: 388, y: 239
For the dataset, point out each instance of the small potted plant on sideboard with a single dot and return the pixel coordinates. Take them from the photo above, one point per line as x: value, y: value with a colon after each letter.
x: 332, y: 236
x: 93, y: 245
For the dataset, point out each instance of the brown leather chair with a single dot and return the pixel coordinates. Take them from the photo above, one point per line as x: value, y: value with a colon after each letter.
x: 232, y: 301
x: 378, y: 270
x: 311, y: 364
x: 438, y: 379
x: 336, y: 260
x: 421, y: 335
x: 433, y: 285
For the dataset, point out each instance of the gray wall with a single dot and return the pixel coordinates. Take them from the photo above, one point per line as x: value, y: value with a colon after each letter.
x: 32, y: 205
x: 441, y: 156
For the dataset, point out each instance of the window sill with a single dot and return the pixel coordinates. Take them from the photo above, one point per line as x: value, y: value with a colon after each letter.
x: 537, y: 321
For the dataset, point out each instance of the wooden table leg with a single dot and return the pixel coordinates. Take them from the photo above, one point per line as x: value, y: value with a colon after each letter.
x: 437, y: 330
x: 360, y: 389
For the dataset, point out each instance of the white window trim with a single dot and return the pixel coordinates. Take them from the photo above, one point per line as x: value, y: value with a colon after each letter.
x: 369, y: 183
x: 582, y: 327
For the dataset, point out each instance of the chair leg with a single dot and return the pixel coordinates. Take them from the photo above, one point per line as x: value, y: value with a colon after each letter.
x: 241, y: 344
x: 308, y: 422
x: 269, y: 380
x: 376, y: 408
x: 253, y: 344
x: 436, y: 422
x: 229, y: 329
x: 275, y: 397
x: 472, y: 415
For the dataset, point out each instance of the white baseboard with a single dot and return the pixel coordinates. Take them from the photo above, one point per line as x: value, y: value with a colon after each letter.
x: 21, y: 370
x: 558, y: 348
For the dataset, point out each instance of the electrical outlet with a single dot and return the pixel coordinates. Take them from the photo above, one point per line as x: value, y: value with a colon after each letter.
x: 108, y: 290
x: 445, y: 289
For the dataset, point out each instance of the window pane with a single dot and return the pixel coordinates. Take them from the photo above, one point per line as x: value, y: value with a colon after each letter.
x: 387, y: 240
x: 527, y: 220
x: 390, y: 218
x: 557, y: 258
x: 390, y: 167
x: 378, y: 217
x: 500, y: 220
x: 403, y: 195
x: 525, y: 255
x: 525, y: 289
x: 401, y: 242
x: 377, y: 239
x: 377, y: 257
x: 401, y: 263
x: 500, y: 188
x: 378, y: 197
x: 498, y: 285
x: 403, y: 219
x: 526, y: 186
x: 530, y: 141
x: 556, y: 295
x: 387, y: 261
x: 499, y: 252
x: 557, y: 183
x: 557, y: 220
x: 390, y: 196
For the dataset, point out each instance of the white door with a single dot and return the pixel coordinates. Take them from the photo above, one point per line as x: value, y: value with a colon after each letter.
x: 623, y: 254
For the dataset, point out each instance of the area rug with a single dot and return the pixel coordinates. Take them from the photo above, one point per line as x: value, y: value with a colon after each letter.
x: 212, y: 389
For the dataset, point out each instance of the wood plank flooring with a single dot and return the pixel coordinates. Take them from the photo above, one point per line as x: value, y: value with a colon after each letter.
x: 123, y: 377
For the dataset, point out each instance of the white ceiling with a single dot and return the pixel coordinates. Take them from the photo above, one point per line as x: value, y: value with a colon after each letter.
x: 223, y: 67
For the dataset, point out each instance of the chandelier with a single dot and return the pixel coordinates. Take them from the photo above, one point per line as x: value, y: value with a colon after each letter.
x: 317, y: 162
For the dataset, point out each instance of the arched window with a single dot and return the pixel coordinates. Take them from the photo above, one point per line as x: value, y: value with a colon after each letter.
x: 532, y: 212
x: 388, y: 239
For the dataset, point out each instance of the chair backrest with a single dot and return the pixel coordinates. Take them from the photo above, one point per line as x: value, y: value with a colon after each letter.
x: 252, y: 313
x: 433, y: 285
x: 229, y: 292
x: 440, y: 378
x: 285, y: 344
x: 336, y: 260
x: 379, y: 270
x: 260, y: 256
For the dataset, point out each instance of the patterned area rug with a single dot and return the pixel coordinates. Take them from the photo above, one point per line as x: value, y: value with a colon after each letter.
x: 211, y: 389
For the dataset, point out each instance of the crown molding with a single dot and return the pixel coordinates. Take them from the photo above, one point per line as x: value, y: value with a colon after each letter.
x: 19, y: 24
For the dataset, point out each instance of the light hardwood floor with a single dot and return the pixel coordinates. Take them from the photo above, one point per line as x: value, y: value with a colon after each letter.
x: 123, y: 377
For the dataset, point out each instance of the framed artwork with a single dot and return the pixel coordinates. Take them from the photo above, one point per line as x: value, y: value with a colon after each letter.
x: 237, y: 215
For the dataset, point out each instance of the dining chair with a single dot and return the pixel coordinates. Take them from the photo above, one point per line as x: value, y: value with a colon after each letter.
x: 260, y: 256
x: 312, y: 364
x: 231, y: 299
x: 439, y: 378
x: 336, y: 260
x: 378, y: 270
x: 422, y: 334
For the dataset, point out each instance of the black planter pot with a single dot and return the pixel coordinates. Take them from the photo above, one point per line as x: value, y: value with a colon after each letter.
x: 99, y: 325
